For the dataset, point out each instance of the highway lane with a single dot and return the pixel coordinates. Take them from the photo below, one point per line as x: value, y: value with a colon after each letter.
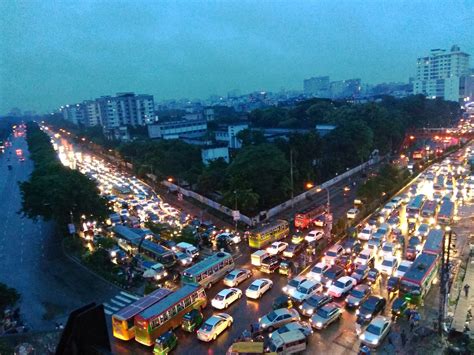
x: 31, y: 257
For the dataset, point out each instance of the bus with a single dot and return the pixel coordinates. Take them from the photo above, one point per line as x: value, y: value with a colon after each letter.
x: 418, y: 279
x: 158, y: 253
x: 415, y: 206
x: 123, y: 326
x: 446, y: 212
x: 439, y: 183
x: 269, y: 233
x: 428, y: 212
x: 168, y: 313
x: 306, y: 217
x: 210, y: 270
x: 434, y: 242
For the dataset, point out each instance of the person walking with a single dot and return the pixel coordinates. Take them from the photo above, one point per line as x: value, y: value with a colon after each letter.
x: 466, y: 290
x: 403, y: 336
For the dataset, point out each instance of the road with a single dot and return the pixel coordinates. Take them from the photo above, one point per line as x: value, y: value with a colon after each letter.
x: 31, y: 257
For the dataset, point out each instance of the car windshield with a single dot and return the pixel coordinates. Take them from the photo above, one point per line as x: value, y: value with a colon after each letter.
x: 363, y: 256
x: 313, y: 301
x: 231, y: 276
x: 317, y: 270
x: 331, y: 253
x: 293, y: 283
x: 207, y: 327
x: 369, y: 306
x: 388, y: 262
x: 366, y: 231
x: 359, y: 271
x: 373, y: 329
x: 339, y: 284
x: 303, y: 290
x: 271, y: 316
x: 387, y: 248
x: 253, y: 287
x: 357, y: 293
x: 322, y: 313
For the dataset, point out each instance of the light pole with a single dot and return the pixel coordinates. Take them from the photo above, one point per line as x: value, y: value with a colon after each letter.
x: 444, y: 289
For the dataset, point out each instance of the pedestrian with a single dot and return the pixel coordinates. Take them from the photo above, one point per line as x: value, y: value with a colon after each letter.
x: 466, y: 289
x: 252, y: 330
x: 404, y: 337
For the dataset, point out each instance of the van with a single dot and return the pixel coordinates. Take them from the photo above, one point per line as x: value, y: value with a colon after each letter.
x: 188, y: 249
x: 291, y: 342
x: 257, y: 257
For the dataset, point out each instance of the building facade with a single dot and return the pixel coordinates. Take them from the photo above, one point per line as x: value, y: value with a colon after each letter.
x: 209, y: 154
x: 317, y: 86
x: 177, y: 129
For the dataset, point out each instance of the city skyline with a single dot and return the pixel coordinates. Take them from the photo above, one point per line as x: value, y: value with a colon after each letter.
x: 89, y: 50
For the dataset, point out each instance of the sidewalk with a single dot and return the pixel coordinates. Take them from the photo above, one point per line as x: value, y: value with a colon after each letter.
x: 465, y: 303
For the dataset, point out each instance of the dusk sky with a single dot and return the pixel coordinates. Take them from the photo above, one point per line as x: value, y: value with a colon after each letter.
x: 57, y: 52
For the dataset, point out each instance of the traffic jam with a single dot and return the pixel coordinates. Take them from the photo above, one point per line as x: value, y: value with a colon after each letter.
x: 371, y: 278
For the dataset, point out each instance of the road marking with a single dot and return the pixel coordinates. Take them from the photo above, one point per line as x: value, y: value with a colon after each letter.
x: 127, y: 300
x: 117, y: 302
x: 129, y: 295
x: 109, y: 306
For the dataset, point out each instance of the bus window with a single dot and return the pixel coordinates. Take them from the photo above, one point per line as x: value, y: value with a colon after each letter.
x: 198, y: 278
x: 130, y: 323
x: 221, y: 265
x: 194, y: 296
x: 216, y: 268
x: 201, y: 294
x: 210, y: 272
x: 181, y: 306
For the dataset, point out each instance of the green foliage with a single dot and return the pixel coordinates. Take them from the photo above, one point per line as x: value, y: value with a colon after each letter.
x: 251, y: 137
x: 54, y: 191
x: 212, y: 177
x: 8, y: 296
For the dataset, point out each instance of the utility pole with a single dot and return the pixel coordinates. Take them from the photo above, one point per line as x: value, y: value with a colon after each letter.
x: 291, y: 179
x: 444, y: 288
x: 235, y: 209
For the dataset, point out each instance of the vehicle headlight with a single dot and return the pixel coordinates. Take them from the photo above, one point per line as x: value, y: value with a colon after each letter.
x: 357, y: 312
x: 367, y: 316
x: 375, y: 341
x: 284, y: 289
x: 166, y: 274
x: 319, y: 324
x: 310, y: 311
x: 301, y: 306
x: 362, y: 337
x: 356, y: 303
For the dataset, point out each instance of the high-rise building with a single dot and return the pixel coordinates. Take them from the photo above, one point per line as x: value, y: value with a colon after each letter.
x: 317, y: 86
x: 440, y: 74
x: 74, y: 113
x: 342, y: 89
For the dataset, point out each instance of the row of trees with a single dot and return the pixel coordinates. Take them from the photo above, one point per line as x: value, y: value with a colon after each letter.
x: 55, y: 192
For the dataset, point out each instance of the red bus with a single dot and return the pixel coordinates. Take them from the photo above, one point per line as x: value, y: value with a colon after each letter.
x: 308, y: 216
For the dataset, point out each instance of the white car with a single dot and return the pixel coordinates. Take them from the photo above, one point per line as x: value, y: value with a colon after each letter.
x: 352, y: 213
x: 226, y: 297
x: 376, y: 331
x: 389, y: 265
x: 317, y: 271
x: 237, y: 276
x: 314, y: 235
x: 276, y: 248
x: 403, y: 268
x: 333, y: 253
x: 214, y: 326
x: 341, y: 286
x: 397, y: 200
x: 293, y: 284
x: 258, y: 288
x: 306, y: 290
x: 388, y: 249
x: 365, y: 233
x: 278, y: 318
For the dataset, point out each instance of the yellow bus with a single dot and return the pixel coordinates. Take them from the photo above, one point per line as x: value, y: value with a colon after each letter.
x: 122, y: 321
x: 269, y: 233
x: 168, y: 313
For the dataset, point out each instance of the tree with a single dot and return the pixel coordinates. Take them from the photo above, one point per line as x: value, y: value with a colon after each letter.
x: 8, y: 296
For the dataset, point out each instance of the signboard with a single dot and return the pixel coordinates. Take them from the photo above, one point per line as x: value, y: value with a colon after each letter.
x: 236, y: 215
x: 72, y: 228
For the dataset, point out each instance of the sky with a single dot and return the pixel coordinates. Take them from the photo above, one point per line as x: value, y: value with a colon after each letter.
x: 58, y: 52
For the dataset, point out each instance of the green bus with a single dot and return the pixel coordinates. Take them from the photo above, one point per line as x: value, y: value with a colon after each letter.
x: 269, y: 233
x: 210, y: 270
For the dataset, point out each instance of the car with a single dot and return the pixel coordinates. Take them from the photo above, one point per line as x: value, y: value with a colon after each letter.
x: 325, y: 315
x: 388, y: 249
x: 183, y: 259
x: 303, y: 327
x: 365, y: 257
x: 293, y: 284
x: 352, y: 213
x: 226, y: 297
x: 394, y: 221
x: 332, y: 274
x: 258, y: 287
x: 373, y: 276
x: 333, y: 253
x: 366, y: 233
x: 306, y: 290
x: 286, y: 267
x: 376, y: 331
x: 360, y: 273
x: 397, y: 200
x: 214, y: 326
x: 124, y: 213
x: 358, y: 295
x: 423, y: 230
x: 165, y: 343
x: 314, y: 235
x: 270, y: 264
x: 317, y: 271
x: 341, y: 286
x: 413, y: 248
x: 352, y: 246
x: 313, y: 303
x: 297, y: 238
x: 371, y: 307
x: 293, y: 249
x: 278, y: 318
x: 282, y: 301
x: 276, y: 248
x: 389, y: 265
x: 393, y: 284
x: 237, y: 276
x: 402, y: 268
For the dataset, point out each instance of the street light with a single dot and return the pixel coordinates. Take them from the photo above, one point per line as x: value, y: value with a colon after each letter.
x: 309, y: 185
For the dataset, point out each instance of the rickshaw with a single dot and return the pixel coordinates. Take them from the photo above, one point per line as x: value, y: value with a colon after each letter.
x: 165, y: 343
x: 192, y: 320
x: 286, y: 268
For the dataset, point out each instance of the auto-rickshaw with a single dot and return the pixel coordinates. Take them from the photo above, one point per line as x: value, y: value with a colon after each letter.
x: 192, y: 320
x: 165, y: 343
x: 399, y: 307
x: 286, y: 268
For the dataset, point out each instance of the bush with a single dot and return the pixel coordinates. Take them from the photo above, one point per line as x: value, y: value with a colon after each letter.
x: 8, y: 296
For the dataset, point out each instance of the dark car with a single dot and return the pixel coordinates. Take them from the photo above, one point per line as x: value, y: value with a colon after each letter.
x: 393, y: 284
x: 282, y: 301
x: 332, y: 274
x: 312, y: 304
x: 373, y: 221
x: 399, y: 306
x: 352, y: 246
x: 373, y: 276
x: 269, y: 264
x: 293, y: 249
x: 358, y: 295
x: 414, y: 244
x: 371, y: 307
x: 346, y: 262
x: 360, y: 273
